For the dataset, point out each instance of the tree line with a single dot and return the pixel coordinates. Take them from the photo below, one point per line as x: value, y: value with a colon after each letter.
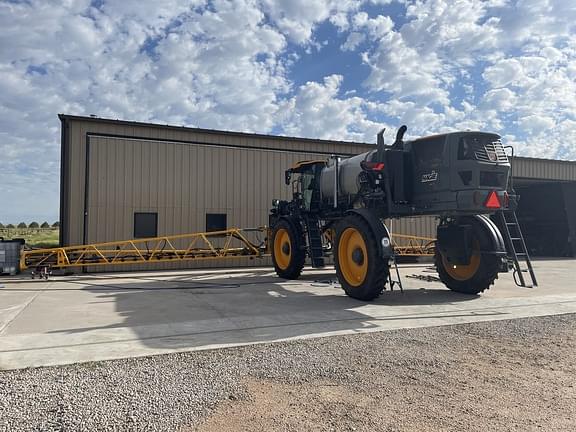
x: 35, y: 225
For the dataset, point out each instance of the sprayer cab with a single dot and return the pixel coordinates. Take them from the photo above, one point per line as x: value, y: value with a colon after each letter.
x: 460, y: 172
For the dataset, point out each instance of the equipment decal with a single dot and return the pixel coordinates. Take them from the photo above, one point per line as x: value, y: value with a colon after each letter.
x: 430, y: 177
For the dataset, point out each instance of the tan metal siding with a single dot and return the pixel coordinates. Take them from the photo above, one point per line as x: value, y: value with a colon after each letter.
x: 544, y: 169
x: 226, y: 180
x: 424, y: 226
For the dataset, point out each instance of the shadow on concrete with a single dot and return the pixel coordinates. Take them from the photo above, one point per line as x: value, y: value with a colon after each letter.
x: 189, y: 311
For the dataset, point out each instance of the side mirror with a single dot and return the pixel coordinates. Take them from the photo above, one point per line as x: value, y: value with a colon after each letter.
x: 287, y: 177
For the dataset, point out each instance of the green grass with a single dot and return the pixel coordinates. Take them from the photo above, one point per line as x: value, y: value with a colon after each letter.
x: 35, y: 237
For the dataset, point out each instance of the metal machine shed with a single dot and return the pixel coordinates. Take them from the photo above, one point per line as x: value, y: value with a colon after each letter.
x: 112, y: 171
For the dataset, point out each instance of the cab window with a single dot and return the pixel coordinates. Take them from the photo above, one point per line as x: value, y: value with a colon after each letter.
x: 428, y: 153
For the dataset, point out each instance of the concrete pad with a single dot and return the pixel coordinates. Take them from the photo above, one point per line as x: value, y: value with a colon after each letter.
x: 109, y: 316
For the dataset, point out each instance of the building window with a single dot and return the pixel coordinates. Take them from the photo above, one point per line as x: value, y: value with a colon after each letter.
x: 145, y: 225
x: 216, y: 221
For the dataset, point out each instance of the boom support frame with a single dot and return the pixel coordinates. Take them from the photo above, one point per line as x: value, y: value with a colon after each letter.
x: 202, y: 246
x: 232, y: 243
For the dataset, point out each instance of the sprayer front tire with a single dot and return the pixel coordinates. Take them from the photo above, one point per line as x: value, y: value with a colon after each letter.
x: 361, y: 270
x: 288, y: 249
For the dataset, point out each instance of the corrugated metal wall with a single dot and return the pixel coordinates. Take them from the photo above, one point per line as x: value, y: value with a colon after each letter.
x: 544, y: 169
x: 181, y: 182
x: 184, y: 173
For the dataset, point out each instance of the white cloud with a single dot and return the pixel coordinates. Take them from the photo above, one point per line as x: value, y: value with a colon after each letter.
x: 536, y: 23
x: 376, y: 27
x: 552, y: 54
x: 317, y: 111
x: 297, y: 18
x: 445, y: 45
x: 174, y: 64
x: 420, y: 119
x: 534, y: 124
x: 154, y: 15
x: 505, y: 66
x: 352, y: 41
x: 458, y: 31
x: 225, y: 75
x: 502, y: 99
x: 504, y: 72
x: 340, y: 21
x: 402, y: 71
x: 424, y: 59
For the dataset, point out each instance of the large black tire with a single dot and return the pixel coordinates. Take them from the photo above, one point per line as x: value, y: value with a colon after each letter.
x: 479, y: 274
x: 288, y: 249
x: 360, y: 267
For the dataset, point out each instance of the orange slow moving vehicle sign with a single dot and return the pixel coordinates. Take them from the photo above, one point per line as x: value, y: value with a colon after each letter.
x: 492, y: 202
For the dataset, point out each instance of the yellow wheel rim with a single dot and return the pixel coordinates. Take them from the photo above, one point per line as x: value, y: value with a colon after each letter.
x: 282, y: 248
x: 464, y: 272
x: 352, y: 257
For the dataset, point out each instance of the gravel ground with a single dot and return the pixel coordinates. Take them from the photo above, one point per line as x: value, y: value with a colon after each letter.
x: 500, y: 375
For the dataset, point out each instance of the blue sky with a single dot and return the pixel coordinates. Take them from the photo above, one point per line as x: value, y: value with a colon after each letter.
x: 333, y: 69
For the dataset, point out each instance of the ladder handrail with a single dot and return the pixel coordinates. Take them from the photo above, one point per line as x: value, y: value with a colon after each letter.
x: 518, y: 270
x: 511, y: 167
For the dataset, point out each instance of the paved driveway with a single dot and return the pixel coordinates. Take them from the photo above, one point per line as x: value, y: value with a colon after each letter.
x: 108, y: 316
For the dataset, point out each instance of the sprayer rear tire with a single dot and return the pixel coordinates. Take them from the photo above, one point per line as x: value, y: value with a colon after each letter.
x: 475, y: 277
x: 361, y: 270
x: 288, y: 249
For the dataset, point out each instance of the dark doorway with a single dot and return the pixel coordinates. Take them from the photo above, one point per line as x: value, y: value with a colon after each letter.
x: 546, y: 213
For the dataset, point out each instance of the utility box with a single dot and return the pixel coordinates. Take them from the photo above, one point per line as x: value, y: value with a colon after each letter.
x: 10, y: 255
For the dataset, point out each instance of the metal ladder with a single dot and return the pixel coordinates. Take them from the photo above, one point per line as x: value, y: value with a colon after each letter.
x: 516, y: 248
x: 398, y: 280
x: 314, y: 241
x: 394, y: 264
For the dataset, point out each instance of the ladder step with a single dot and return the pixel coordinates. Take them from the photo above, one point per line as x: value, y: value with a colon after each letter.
x: 515, y: 238
x: 511, y: 223
x: 315, y: 242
